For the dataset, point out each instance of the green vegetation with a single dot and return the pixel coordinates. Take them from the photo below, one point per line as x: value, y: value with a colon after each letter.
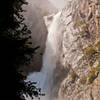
x: 73, y: 75
x: 97, y: 43
x: 83, y: 80
x: 90, y: 51
x: 93, y: 73
x: 78, y: 23
x: 82, y: 28
x: 90, y: 54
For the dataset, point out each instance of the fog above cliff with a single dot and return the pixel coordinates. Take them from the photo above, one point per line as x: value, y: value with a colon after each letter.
x: 51, y: 4
x: 45, y: 6
x: 59, y: 4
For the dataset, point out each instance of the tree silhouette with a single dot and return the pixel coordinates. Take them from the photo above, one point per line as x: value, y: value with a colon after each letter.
x: 15, y: 50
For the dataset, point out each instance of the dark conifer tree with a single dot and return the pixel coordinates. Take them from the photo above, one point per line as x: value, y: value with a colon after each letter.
x: 15, y: 50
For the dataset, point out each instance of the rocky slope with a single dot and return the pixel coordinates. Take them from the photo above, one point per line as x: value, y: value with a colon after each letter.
x: 76, y: 76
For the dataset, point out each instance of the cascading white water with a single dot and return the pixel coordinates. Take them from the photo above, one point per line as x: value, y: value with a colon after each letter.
x: 44, y: 77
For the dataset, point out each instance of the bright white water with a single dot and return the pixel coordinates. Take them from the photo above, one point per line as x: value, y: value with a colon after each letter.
x: 44, y: 77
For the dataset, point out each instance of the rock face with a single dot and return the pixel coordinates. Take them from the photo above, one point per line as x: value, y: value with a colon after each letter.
x: 76, y: 76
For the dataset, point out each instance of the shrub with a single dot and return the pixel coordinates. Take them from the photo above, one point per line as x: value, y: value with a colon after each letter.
x: 90, y: 54
x: 83, y: 80
x: 73, y: 75
x: 78, y: 23
x: 98, y: 45
x: 93, y: 73
x: 90, y: 51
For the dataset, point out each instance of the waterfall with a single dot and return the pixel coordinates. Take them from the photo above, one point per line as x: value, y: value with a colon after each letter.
x: 44, y: 77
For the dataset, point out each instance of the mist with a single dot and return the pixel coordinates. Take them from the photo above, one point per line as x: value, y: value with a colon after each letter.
x: 59, y: 4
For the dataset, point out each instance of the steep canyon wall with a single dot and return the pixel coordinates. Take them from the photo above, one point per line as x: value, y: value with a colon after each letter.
x: 76, y: 76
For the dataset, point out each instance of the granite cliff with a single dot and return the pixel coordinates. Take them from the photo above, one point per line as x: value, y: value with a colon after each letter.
x: 76, y: 76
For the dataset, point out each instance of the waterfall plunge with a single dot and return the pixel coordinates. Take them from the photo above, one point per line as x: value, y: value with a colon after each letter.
x: 44, y: 77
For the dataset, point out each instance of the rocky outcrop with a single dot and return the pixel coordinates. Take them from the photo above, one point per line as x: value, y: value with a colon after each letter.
x: 80, y: 52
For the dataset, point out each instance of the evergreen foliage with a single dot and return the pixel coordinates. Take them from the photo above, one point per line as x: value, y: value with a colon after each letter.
x: 15, y: 50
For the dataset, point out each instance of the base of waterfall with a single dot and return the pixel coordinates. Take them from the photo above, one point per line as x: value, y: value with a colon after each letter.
x: 44, y: 78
